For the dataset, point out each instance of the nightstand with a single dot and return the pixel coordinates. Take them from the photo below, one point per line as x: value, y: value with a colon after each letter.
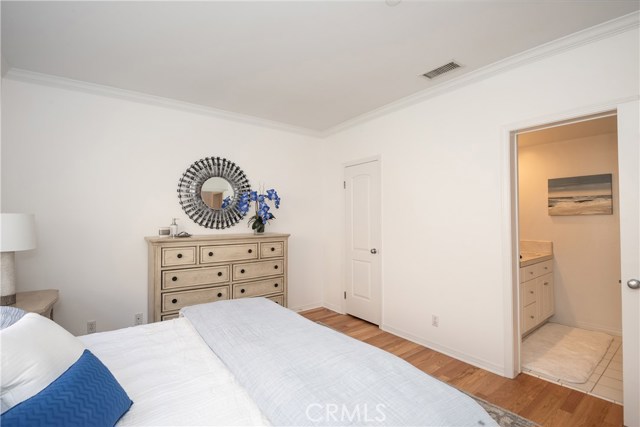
x: 40, y: 302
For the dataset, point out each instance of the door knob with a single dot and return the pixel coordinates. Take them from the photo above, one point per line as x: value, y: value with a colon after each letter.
x: 374, y: 251
x: 633, y: 283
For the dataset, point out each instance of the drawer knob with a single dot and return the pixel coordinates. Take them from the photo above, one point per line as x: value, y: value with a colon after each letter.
x: 242, y: 291
x: 273, y: 249
x: 531, y: 272
x: 210, y: 253
x: 275, y: 285
x: 219, y: 294
x: 275, y: 266
x: 250, y: 251
x: 546, y: 283
x: 242, y: 271
x: 219, y: 273
x: 530, y: 292
x: 174, y: 278
x: 531, y: 317
x: 175, y: 300
x: 179, y: 255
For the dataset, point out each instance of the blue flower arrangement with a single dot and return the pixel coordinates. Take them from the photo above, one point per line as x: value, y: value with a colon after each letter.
x: 262, y: 216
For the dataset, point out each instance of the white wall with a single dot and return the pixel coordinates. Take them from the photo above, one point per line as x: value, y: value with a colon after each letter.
x: 442, y: 178
x: 100, y: 173
x: 586, y: 247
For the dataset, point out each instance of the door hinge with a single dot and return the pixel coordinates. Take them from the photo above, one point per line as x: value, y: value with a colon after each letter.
x: 344, y: 184
x: 345, y: 294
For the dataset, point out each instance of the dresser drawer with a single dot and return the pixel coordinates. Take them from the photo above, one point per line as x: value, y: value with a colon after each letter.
x: 219, y: 253
x: 257, y: 269
x: 529, y: 317
x: 529, y: 293
x: 195, y: 277
x: 176, y: 300
x: 278, y: 299
x: 178, y: 256
x: 170, y: 316
x: 271, y: 249
x: 259, y: 288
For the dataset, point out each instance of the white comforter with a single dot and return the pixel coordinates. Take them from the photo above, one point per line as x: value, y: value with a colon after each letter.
x: 302, y: 374
x: 173, y: 377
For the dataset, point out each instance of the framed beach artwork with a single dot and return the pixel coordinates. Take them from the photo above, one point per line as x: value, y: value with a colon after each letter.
x: 581, y: 195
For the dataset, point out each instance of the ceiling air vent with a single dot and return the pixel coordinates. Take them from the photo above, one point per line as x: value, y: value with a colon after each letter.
x: 441, y: 70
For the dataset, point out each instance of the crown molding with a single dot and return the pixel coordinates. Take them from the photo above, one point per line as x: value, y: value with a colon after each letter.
x: 598, y: 32
x: 605, y: 30
x: 129, y: 95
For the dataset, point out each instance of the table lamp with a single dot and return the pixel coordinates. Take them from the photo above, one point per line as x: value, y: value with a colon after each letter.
x: 17, y: 233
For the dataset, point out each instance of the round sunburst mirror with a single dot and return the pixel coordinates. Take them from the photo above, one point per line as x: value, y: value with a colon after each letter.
x: 209, y: 191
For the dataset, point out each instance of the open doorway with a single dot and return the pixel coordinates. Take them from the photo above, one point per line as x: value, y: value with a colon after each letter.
x: 569, y: 298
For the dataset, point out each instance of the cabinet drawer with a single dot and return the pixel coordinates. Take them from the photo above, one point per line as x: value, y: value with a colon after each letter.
x: 529, y: 292
x: 178, y: 256
x: 194, y: 277
x: 278, y: 299
x: 545, y: 267
x: 271, y: 249
x: 259, y: 288
x: 210, y: 254
x: 176, y: 300
x: 529, y: 317
x: 535, y: 270
x: 527, y: 273
x: 257, y: 269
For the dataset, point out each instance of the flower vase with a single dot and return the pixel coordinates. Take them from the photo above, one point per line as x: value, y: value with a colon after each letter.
x: 258, y: 227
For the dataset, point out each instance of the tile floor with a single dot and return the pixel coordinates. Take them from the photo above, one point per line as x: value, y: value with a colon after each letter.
x: 606, y: 380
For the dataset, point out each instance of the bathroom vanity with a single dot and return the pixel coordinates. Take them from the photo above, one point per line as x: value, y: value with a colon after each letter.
x: 537, y: 303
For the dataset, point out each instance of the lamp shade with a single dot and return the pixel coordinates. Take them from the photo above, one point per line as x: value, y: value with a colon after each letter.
x: 17, y: 232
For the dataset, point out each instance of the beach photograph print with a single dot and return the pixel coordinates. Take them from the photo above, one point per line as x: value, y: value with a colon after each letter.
x: 581, y: 195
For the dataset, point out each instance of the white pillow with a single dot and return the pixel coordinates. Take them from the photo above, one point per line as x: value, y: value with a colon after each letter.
x: 35, y: 351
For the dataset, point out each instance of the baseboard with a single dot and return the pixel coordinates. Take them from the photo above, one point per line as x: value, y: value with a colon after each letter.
x: 596, y: 328
x: 306, y: 307
x: 333, y: 307
x: 480, y: 363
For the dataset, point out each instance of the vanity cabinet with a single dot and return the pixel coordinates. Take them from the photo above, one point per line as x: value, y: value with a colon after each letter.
x: 201, y: 269
x: 537, y: 301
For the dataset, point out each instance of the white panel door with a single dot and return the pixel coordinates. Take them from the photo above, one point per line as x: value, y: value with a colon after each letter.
x: 629, y: 182
x: 363, y: 293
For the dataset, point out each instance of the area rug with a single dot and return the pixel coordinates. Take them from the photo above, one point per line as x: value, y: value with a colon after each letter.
x: 500, y: 415
x: 568, y: 354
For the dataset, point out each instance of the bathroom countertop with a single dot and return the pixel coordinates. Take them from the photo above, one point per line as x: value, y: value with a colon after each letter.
x: 529, y: 258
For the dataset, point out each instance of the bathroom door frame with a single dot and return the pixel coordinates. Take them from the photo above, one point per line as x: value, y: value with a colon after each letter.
x: 510, y: 232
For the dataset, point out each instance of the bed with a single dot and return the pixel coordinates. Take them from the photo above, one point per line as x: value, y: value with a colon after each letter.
x: 252, y: 362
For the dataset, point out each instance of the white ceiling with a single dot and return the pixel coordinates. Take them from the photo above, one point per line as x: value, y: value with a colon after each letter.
x: 307, y: 64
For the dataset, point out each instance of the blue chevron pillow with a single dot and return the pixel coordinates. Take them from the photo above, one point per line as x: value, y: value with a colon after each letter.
x: 87, y: 394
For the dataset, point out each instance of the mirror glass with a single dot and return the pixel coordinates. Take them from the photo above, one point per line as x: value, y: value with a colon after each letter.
x: 217, y: 193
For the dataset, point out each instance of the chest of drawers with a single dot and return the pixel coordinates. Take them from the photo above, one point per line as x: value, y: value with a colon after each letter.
x: 200, y: 269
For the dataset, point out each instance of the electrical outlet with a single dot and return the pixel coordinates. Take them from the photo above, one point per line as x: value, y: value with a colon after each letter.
x: 91, y: 326
x: 435, y: 320
x: 138, y: 320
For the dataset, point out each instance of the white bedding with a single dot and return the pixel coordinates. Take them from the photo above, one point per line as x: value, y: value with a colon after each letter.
x: 173, y: 377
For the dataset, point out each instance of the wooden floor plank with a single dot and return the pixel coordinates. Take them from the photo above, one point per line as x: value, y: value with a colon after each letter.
x: 547, y: 404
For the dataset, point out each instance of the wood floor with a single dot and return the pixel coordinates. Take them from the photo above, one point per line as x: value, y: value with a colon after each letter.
x: 543, y: 402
